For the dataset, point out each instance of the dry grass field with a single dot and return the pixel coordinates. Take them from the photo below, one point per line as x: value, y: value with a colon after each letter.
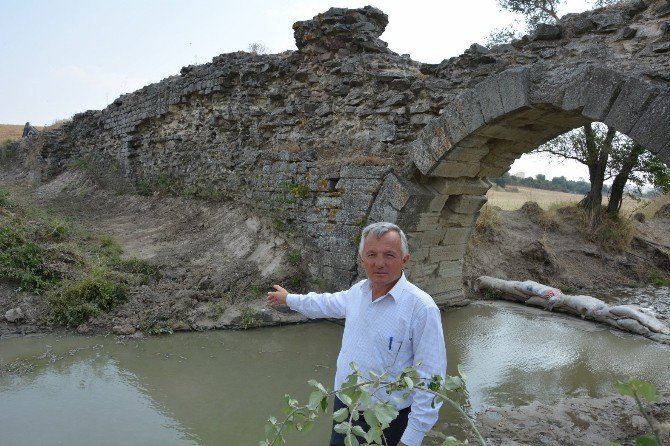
x: 513, y: 198
x: 10, y: 131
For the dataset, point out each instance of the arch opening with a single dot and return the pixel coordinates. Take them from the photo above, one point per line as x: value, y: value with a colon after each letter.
x: 482, y: 132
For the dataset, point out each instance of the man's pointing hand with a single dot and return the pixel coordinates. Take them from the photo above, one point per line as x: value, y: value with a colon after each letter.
x: 277, y: 297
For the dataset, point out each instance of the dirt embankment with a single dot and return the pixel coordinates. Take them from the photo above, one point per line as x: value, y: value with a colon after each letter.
x: 216, y: 261
x: 556, y: 249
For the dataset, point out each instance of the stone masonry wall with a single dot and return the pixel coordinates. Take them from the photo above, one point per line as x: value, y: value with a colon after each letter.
x: 343, y: 131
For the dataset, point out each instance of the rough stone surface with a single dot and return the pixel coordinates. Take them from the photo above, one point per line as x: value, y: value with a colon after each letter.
x: 14, y: 315
x: 344, y: 131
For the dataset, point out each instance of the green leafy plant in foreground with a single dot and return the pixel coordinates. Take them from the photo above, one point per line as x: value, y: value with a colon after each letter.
x: 356, y: 393
x: 640, y: 390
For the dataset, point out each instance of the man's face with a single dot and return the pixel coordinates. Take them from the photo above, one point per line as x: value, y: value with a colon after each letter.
x: 382, y: 259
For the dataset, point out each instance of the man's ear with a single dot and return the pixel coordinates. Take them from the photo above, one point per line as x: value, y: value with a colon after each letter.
x: 405, y: 260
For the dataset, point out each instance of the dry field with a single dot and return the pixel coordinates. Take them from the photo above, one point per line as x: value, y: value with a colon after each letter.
x: 513, y: 198
x: 10, y: 131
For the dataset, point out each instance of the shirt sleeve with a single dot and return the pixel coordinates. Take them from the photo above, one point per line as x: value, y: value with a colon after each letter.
x: 430, y: 352
x: 314, y: 305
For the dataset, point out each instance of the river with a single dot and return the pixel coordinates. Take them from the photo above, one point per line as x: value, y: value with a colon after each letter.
x: 219, y: 387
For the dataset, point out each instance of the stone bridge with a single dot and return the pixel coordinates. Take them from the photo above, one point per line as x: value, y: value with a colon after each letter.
x: 344, y: 132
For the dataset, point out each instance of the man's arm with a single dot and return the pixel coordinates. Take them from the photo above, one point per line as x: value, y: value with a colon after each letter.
x: 430, y: 352
x: 312, y: 305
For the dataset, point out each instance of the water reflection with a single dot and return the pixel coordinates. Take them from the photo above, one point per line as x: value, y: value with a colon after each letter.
x: 220, y: 387
x: 84, y: 402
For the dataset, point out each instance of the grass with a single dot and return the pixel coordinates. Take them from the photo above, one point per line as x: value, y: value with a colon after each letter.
x: 10, y: 131
x: 658, y: 280
x: 81, y: 274
x: 247, y: 317
x: 488, y: 221
x: 77, y: 301
x: 513, y: 198
x: 22, y: 261
x: 294, y: 258
x: 614, y: 233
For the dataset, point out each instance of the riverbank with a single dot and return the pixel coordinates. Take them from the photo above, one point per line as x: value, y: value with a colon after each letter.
x: 210, y: 263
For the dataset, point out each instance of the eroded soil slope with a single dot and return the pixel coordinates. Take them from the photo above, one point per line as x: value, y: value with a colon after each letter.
x: 216, y: 260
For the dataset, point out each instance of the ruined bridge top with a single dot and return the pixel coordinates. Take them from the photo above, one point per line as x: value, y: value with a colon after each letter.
x: 344, y: 131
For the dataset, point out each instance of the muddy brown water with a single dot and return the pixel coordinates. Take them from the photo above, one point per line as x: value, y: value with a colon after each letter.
x: 218, y: 388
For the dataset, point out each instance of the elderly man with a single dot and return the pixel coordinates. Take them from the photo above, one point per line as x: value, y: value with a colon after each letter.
x: 390, y: 324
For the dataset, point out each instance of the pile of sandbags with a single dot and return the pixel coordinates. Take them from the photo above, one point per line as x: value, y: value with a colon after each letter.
x: 631, y: 318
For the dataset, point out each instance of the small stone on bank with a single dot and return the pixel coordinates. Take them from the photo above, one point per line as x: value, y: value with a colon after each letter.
x: 14, y: 315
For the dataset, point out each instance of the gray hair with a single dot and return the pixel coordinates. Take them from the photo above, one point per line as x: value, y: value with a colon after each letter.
x: 379, y: 229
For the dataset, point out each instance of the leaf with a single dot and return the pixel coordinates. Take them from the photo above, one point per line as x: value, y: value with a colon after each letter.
x: 324, y: 404
x: 370, y: 418
x: 409, y: 383
x: 645, y: 441
x: 317, y: 385
x: 461, y: 372
x: 341, y: 415
x: 452, y: 383
x: 342, y: 428
x: 633, y: 387
x: 647, y: 390
x: 374, y: 436
x: 315, y: 400
x: 385, y: 413
x: 624, y: 388
x: 351, y: 440
x: 357, y: 430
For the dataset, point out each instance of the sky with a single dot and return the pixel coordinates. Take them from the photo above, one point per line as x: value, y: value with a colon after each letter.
x: 61, y: 57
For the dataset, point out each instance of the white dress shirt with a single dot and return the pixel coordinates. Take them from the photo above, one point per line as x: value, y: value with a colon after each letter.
x: 395, y: 331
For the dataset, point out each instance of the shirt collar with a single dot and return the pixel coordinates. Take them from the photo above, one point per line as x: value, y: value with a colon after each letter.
x: 396, y: 292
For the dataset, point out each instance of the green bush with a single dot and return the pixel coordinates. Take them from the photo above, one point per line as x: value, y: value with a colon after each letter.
x: 22, y: 261
x: 78, y: 301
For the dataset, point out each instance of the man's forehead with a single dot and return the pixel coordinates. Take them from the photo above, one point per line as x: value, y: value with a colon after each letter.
x: 390, y: 239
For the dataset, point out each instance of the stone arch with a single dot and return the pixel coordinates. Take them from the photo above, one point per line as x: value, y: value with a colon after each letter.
x: 480, y: 134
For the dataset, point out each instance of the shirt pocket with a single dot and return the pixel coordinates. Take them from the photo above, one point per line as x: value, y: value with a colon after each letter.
x: 394, y: 351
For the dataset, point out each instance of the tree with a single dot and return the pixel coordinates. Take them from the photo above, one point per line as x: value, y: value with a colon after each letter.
x: 533, y: 12
x: 608, y: 154
x: 635, y: 166
x: 257, y: 48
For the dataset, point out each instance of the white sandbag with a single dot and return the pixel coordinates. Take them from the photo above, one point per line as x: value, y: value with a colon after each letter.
x: 649, y: 321
x: 633, y: 326
x: 603, y: 315
x: 579, y: 305
x: 506, y: 286
x: 538, y: 301
x: 532, y: 288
